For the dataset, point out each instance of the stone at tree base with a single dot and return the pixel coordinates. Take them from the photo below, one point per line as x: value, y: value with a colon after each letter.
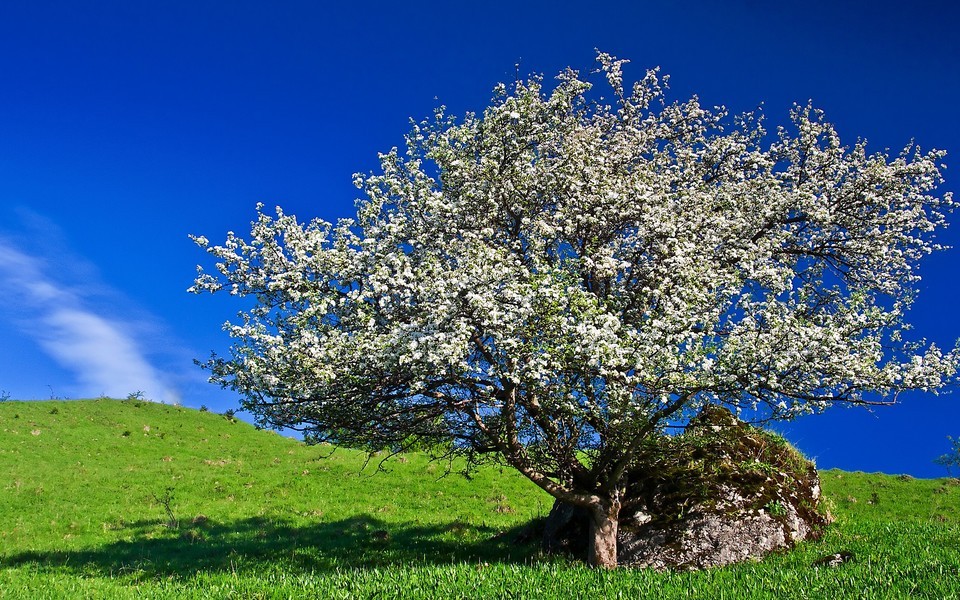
x: 720, y: 493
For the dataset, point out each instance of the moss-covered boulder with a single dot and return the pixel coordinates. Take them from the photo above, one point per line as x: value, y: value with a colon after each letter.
x: 721, y: 492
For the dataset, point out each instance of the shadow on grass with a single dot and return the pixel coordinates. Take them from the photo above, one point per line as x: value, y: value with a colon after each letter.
x: 152, y: 550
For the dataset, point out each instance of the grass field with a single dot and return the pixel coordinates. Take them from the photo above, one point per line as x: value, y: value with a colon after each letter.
x: 127, y: 499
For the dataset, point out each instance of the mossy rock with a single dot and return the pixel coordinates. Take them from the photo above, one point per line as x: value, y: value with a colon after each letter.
x: 721, y: 492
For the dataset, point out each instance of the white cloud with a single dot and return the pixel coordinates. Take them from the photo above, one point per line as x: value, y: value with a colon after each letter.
x: 100, y: 350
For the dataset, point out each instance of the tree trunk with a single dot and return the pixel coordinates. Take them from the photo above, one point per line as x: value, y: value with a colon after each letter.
x: 604, y: 519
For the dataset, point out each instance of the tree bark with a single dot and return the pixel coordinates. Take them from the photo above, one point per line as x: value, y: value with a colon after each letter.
x: 604, y: 520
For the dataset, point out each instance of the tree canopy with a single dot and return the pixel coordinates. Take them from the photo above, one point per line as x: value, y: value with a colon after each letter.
x: 556, y: 279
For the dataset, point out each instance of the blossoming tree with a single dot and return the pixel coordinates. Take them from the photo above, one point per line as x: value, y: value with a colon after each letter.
x: 555, y: 280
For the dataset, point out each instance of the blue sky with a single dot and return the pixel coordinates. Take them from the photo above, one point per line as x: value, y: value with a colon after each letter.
x: 126, y: 126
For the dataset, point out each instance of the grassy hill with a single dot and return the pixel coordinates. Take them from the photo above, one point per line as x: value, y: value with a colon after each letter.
x: 127, y: 499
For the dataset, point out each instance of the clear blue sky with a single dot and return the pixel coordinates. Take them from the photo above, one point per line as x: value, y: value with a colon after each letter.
x: 125, y: 126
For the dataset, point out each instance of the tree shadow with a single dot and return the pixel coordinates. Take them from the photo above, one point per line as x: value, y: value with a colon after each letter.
x: 152, y: 550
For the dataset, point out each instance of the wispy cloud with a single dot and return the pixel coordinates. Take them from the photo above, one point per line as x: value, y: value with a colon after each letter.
x: 100, y: 349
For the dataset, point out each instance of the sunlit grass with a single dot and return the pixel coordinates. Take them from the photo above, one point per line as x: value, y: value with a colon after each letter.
x: 86, y: 486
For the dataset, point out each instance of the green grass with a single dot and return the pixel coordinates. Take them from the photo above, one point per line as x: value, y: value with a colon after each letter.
x: 83, y: 514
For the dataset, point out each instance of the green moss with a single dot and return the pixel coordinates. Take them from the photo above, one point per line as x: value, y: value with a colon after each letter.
x: 718, y: 453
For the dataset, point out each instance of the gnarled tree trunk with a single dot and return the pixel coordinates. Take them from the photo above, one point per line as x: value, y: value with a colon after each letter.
x: 604, y: 520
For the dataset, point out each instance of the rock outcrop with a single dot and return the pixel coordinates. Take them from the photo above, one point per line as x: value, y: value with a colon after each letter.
x: 721, y: 492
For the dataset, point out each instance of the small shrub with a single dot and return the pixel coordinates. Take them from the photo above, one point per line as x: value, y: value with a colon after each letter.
x: 203, y: 408
x: 166, y: 501
x: 951, y: 459
x: 4, y: 395
x: 54, y: 411
x: 137, y: 395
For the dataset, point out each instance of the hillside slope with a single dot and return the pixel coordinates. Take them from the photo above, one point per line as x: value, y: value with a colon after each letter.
x: 82, y: 473
x: 112, y: 498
